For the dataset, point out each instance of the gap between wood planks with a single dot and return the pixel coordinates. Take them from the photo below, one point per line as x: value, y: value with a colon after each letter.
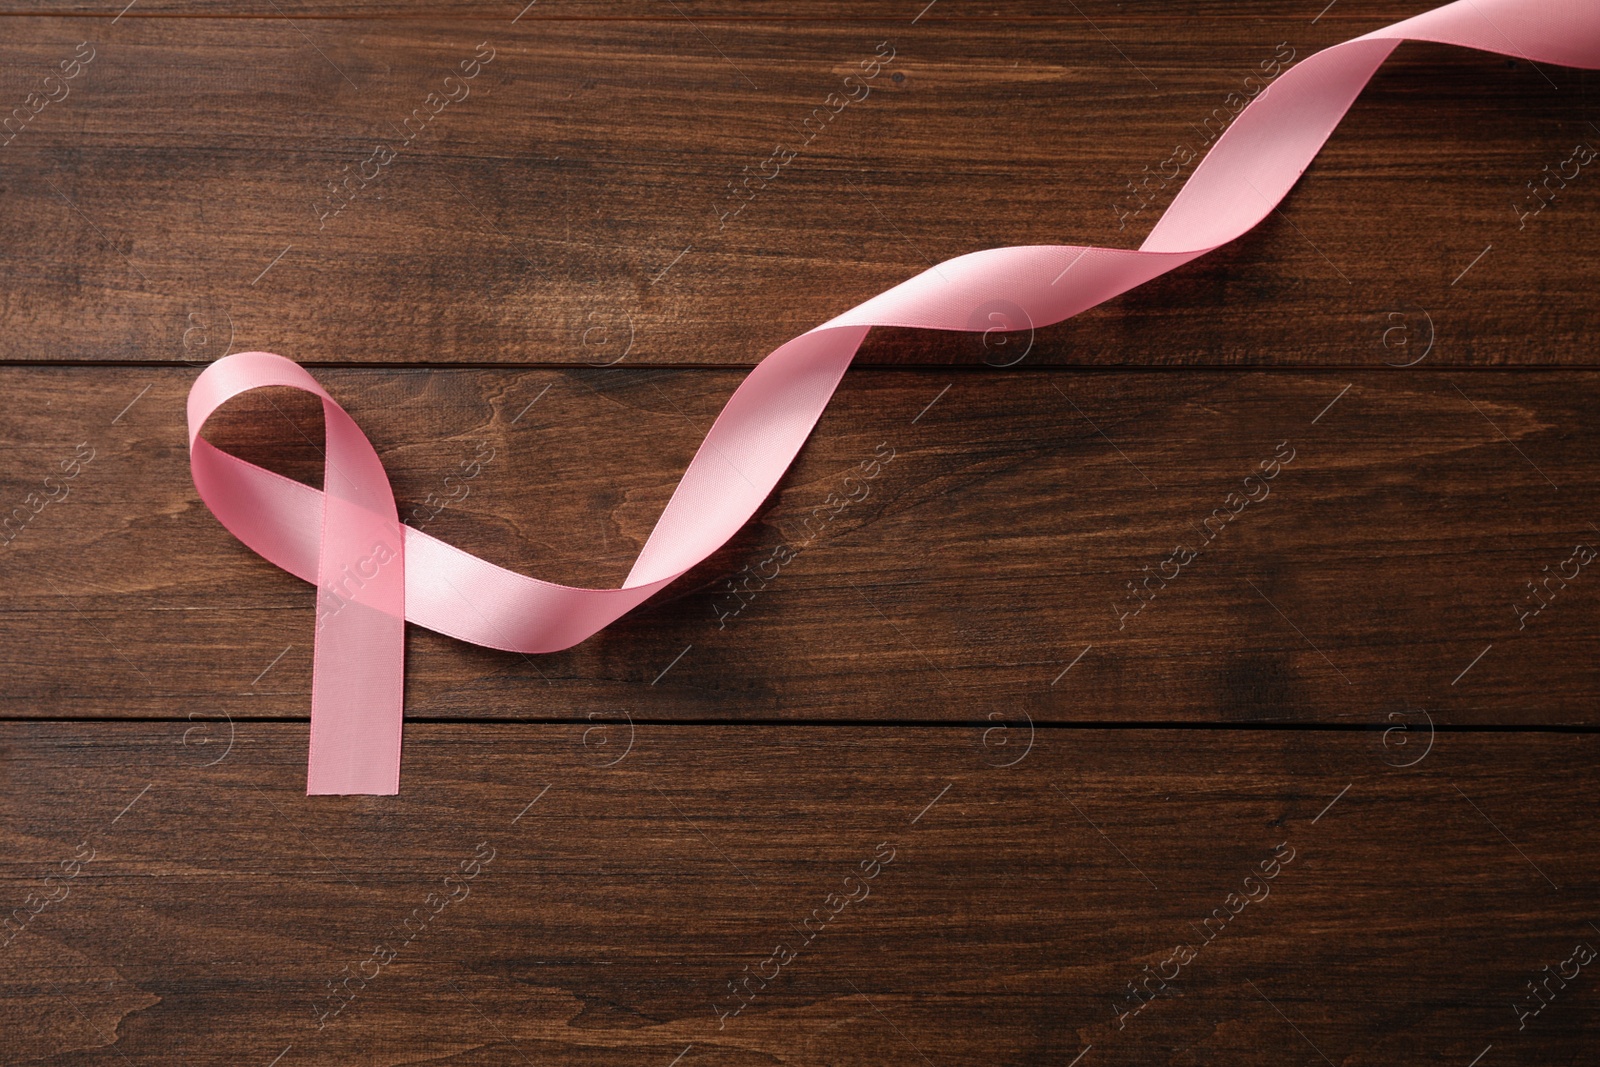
x: 882, y: 724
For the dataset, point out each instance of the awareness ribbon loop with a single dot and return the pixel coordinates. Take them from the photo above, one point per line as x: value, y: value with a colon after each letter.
x: 374, y: 574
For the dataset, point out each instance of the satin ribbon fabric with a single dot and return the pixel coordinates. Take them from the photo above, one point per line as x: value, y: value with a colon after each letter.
x: 373, y: 573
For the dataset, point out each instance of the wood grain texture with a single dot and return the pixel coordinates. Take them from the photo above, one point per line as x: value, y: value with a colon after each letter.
x: 995, y: 543
x: 1107, y: 14
x: 953, y: 633
x: 575, y: 206
x: 616, y: 903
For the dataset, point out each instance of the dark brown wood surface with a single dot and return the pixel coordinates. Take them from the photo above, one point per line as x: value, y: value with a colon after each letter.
x: 1359, y: 704
x: 993, y: 549
x: 575, y: 204
x: 217, y: 904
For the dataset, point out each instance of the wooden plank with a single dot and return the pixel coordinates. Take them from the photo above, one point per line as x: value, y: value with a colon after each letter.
x: 575, y: 207
x: 984, y: 568
x: 916, y: 12
x: 609, y: 908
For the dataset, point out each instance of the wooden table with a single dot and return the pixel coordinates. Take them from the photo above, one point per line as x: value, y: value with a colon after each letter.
x: 938, y: 777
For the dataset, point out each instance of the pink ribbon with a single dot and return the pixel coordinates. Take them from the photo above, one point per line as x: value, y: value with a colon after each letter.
x: 373, y: 573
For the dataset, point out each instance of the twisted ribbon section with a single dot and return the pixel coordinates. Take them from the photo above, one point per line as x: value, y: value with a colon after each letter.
x: 373, y: 573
